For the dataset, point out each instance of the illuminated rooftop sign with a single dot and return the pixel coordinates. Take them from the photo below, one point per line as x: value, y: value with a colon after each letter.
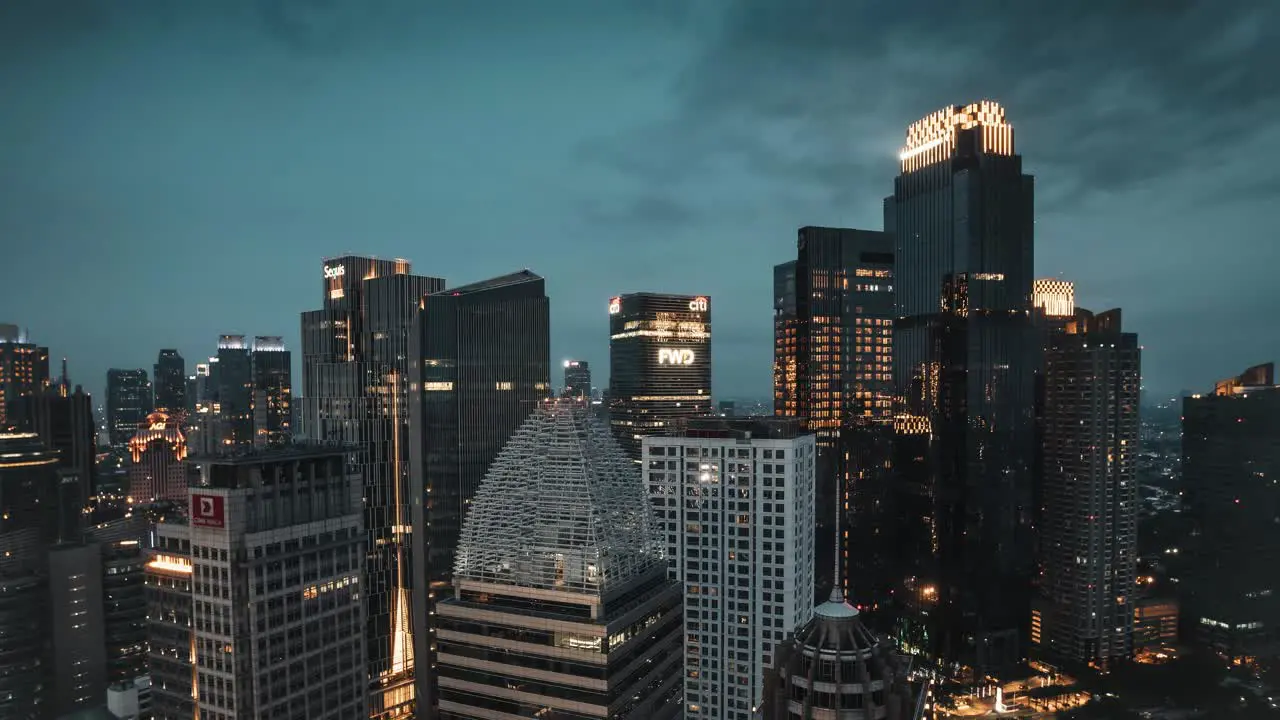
x: 675, y: 356
x: 615, y: 306
x: 334, y: 271
x: 698, y: 304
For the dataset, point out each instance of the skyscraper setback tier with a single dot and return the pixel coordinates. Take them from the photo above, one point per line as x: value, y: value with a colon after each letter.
x: 1084, y: 609
x: 1231, y: 499
x: 561, y: 604
x: 734, y: 500
x: 170, y: 382
x: 659, y: 364
x: 833, y: 345
x: 128, y: 404
x: 355, y: 354
x: 24, y: 368
x: 964, y: 361
x: 479, y: 366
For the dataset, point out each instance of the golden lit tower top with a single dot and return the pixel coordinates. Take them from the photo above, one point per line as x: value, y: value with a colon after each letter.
x: 1056, y: 297
x: 933, y: 138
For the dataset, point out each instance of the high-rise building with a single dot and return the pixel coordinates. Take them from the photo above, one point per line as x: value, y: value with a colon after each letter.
x: 479, y: 365
x: 78, y: 668
x: 964, y: 359
x: 235, y: 392
x: 170, y: 382
x: 833, y: 350
x: 735, y: 503
x: 124, y: 610
x: 1088, y: 533
x: 355, y: 376
x: 171, y: 641
x: 64, y: 422
x: 1231, y: 499
x: 272, y: 392
x: 561, y: 605
x: 275, y: 551
x: 577, y: 379
x: 128, y: 404
x: 24, y: 368
x: 159, y: 470
x: 28, y: 526
x: 659, y: 364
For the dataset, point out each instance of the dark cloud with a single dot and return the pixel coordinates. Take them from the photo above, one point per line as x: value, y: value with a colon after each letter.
x: 651, y: 210
x: 1109, y: 94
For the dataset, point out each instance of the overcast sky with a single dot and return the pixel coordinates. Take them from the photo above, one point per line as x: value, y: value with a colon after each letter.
x: 175, y: 169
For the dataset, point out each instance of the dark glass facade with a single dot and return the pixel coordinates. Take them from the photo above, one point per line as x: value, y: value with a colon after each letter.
x: 1230, y: 466
x: 272, y: 392
x: 833, y: 344
x: 479, y: 365
x: 171, y: 642
x: 28, y: 526
x: 235, y: 392
x: 965, y: 361
x: 128, y: 404
x: 659, y: 364
x: 64, y: 424
x: 1088, y: 531
x: 169, y: 378
x: 355, y: 379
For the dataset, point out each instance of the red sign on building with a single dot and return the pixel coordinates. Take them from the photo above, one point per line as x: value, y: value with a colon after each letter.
x: 206, y: 511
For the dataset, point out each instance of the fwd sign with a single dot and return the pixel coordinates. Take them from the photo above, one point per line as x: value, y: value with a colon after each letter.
x: 206, y: 511
x: 675, y: 356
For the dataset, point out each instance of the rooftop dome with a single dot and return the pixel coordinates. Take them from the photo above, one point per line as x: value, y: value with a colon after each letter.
x: 561, y: 508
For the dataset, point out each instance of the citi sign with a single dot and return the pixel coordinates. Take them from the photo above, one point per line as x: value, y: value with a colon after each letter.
x: 698, y: 304
x: 675, y: 356
x: 334, y: 271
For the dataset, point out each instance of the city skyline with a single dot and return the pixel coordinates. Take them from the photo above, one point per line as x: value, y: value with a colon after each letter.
x: 115, y: 165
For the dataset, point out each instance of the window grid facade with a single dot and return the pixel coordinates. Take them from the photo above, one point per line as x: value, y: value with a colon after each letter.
x: 737, y: 516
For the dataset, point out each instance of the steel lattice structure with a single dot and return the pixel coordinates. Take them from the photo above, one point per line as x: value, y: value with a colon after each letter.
x: 562, y: 508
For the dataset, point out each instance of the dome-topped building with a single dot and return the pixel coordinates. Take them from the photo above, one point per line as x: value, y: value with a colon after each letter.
x: 834, y: 668
x: 561, y: 604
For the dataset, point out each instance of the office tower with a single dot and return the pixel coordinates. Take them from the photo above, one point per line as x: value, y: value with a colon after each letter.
x: 192, y: 394
x: 159, y: 471
x: 235, y: 392
x: 24, y: 368
x: 78, y: 667
x: 558, y: 551
x: 275, y: 548
x: 171, y: 641
x: 169, y: 382
x: 1084, y: 609
x: 128, y: 404
x: 577, y: 379
x: 735, y: 502
x: 479, y: 365
x: 64, y: 423
x: 355, y: 354
x: 1230, y: 462
x: 272, y: 392
x: 659, y: 364
x: 833, y: 349
x: 28, y: 526
x: 835, y: 667
x: 124, y: 610
x: 964, y: 359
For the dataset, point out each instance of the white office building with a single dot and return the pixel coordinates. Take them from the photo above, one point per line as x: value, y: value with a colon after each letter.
x: 735, y: 503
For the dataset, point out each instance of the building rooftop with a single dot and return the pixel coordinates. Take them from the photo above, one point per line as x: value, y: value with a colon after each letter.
x: 514, y: 278
x: 562, y: 508
x: 744, y: 427
x: 292, y: 451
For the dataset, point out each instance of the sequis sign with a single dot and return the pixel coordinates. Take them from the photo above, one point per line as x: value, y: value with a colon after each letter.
x: 207, y: 511
x: 334, y: 271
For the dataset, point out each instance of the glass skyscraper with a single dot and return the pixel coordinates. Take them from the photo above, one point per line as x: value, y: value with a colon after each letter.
x: 964, y: 365
x: 354, y: 376
x: 659, y: 364
x: 479, y: 366
x: 170, y: 382
x: 128, y: 404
